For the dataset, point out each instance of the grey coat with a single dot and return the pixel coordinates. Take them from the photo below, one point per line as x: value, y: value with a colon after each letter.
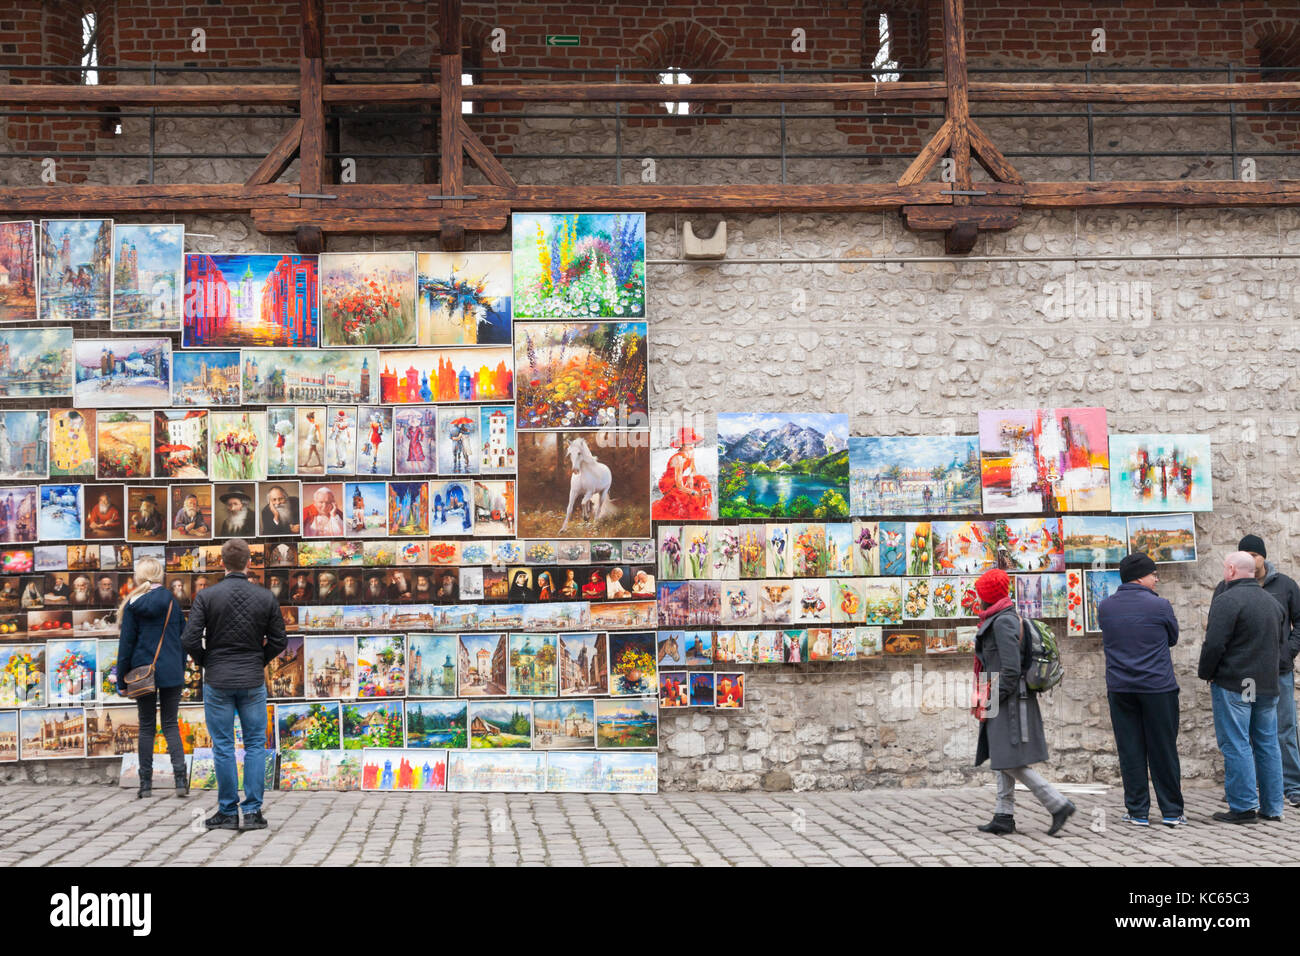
x: 1013, y: 737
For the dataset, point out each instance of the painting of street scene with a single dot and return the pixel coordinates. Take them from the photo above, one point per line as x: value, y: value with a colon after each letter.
x: 148, y: 265
x: 563, y: 724
x: 320, y: 770
x: 381, y: 665
x: 606, y: 772
x: 257, y: 300
x: 914, y: 475
x: 331, y: 667
x: 129, y: 373
x: 76, y: 283
x: 24, y: 444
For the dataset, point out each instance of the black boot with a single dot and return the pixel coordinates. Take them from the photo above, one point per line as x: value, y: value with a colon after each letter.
x: 1059, y: 818
x: 146, y: 785
x: 1001, y: 823
x: 182, y: 782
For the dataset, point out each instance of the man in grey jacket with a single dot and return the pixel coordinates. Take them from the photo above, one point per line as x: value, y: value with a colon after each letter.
x: 1243, y: 645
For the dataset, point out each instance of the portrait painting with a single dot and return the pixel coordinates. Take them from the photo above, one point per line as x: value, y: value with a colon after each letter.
x: 146, y: 511
x: 233, y: 511
x: 322, y: 509
x: 191, y: 512
x: 684, y: 468
x: 279, y: 509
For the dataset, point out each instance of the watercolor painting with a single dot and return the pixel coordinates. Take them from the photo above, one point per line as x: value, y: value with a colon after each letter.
x: 584, y: 484
x: 624, y: 724
x: 783, y: 466
x: 482, y: 664
x: 72, y: 443
x: 431, y: 665
x: 238, y: 446
x: 578, y: 265
x: 36, y: 363
x: 367, y: 298
x: 437, y: 723
x: 464, y: 298
x: 684, y: 468
x: 319, y: 770
x: 609, y: 772
x: 205, y: 378
x: 331, y: 666
x: 1044, y: 460
x: 285, y: 674
x: 374, y: 440
x: 1030, y: 544
x: 564, y: 724
x: 62, y: 513
x: 963, y: 547
x: 56, y: 732
x: 148, y: 274
x: 914, y: 475
x: 180, y: 443
x: 306, y: 376
x: 532, y: 671
x: 494, y: 508
x: 124, y: 443
x: 24, y: 444
x: 408, y: 508
x: 496, y: 771
x: 459, y: 441
x: 381, y: 665
x: 496, y: 725
x: 584, y: 664
x: 581, y: 375
x: 385, y: 769
x: 341, y: 439
x: 282, y: 441
x: 18, y: 279
x: 366, y: 509
x: 1094, y: 539
x: 8, y: 734
x: 76, y: 281
x: 1161, y: 473
x: 131, y: 373
x: 446, y: 375
x: 257, y: 300
x: 497, y: 444
x: 1098, y: 585
x: 415, y: 433
x: 1164, y: 538
x: 22, y: 675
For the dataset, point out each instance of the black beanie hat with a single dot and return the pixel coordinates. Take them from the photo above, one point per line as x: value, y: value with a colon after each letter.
x: 1134, y: 566
x: 1254, y: 543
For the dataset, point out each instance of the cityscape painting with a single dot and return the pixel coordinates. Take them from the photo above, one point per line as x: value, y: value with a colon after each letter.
x: 148, y: 269
x: 290, y: 376
x: 36, y: 363
x: 18, y: 277
x: 76, y: 270
x: 250, y: 300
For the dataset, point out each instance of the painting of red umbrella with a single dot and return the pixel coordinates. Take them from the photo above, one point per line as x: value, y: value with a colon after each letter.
x: 180, y: 443
x: 458, y: 442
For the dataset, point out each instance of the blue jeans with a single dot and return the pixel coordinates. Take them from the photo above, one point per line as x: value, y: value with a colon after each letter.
x: 1288, y: 738
x: 220, y: 707
x: 1247, y: 735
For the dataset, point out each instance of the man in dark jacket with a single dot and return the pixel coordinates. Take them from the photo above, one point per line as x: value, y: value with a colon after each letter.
x: 1137, y: 629
x: 1243, y: 644
x: 1287, y: 593
x: 235, y: 628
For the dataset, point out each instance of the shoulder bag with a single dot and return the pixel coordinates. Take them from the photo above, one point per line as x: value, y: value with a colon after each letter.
x: 140, y: 680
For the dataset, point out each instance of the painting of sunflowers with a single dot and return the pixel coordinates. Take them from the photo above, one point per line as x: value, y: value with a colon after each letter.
x: 367, y: 298
x: 578, y: 265
x: 581, y: 375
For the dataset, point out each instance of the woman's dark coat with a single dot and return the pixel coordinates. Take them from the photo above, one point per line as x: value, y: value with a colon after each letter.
x: 142, y: 621
x: 1013, y: 736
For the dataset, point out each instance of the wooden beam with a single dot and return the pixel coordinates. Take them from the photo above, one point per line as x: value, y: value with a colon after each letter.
x: 353, y: 221
x: 1175, y: 193
x: 482, y: 157
x: 452, y: 170
x: 936, y: 147
x: 993, y: 92
x: 354, y: 93
x: 311, y: 15
x: 864, y: 197
x: 990, y: 157
x: 278, y: 160
x: 231, y: 197
x: 137, y: 95
x: 944, y: 218
x: 957, y: 105
x: 311, y: 104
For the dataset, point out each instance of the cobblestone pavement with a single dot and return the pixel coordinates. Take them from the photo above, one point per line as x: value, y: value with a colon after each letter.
x: 91, y: 826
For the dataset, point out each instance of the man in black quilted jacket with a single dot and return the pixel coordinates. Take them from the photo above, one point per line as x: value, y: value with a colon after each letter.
x: 235, y: 628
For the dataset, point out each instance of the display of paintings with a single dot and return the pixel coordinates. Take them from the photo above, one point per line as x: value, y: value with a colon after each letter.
x: 791, y: 465
x: 148, y: 266
x: 1164, y: 538
x: 72, y: 443
x: 408, y: 770
x: 1044, y: 460
x: 632, y: 663
x: 584, y: 484
x: 373, y: 723
x: 18, y: 266
x: 415, y: 440
x: 578, y: 265
x: 22, y: 675
x: 36, y: 363
x: 1161, y: 473
x: 76, y: 275
x: 1030, y: 544
x: 205, y: 378
x: 367, y: 298
x: 124, y: 441
x: 319, y: 770
x: 238, y: 446
x: 437, y: 723
x: 51, y: 733
x: 191, y: 512
x: 464, y: 298
x: 1098, y: 585
x: 963, y: 547
x: 500, y: 724
x: 446, y: 375
x: 1094, y: 539
x: 129, y: 773
x: 893, y: 547
x: 24, y: 444
x: 62, y: 513
x: 299, y: 376
x: 132, y: 373
x: 915, y: 475
x: 581, y: 375
x: 564, y: 724
x: 8, y: 718
x: 146, y: 510
x: 250, y: 300
x: 496, y: 771
x: 381, y: 665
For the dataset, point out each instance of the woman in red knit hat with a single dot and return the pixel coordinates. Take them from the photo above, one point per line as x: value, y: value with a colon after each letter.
x: 1011, y: 726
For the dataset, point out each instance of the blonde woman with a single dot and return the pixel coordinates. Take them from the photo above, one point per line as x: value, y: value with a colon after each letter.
x: 145, y: 622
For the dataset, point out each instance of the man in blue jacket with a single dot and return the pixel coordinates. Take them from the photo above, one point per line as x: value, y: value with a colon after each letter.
x: 1137, y: 629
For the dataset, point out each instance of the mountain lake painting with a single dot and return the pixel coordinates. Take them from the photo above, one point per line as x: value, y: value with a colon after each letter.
x: 779, y: 465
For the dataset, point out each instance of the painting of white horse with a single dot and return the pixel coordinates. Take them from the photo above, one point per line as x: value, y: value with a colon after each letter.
x: 584, y: 484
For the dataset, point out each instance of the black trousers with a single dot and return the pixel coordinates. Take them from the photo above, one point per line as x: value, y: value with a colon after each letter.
x: 1146, y: 737
x: 147, y: 710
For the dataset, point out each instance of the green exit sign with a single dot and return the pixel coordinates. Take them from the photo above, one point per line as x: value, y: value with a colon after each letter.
x: 562, y: 39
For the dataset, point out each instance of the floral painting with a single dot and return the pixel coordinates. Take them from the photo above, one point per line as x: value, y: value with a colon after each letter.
x: 464, y: 298
x: 581, y: 374
x: 367, y: 298
x: 238, y: 446
x: 632, y: 663
x: 578, y: 265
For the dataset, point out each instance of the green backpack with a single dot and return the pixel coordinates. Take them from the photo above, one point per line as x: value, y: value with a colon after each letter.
x: 1040, y: 656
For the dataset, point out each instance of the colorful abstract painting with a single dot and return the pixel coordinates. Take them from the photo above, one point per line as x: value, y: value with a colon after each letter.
x: 576, y: 265
x: 250, y: 301
x: 914, y: 475
x: 584, y: 484
x: 963, y: 547
x: 148, y: 276
x: 18, y: 279
x: 367, y: 298
x: 783, y: 465
x: 1044, y: 460
x: 581, y: 375
x: 408, y: 770
x: 463, y: 298
x: 1161, y: 473
x: 76, y: 283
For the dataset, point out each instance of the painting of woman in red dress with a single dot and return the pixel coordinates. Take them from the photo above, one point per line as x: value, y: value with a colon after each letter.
x: 686, y: 493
